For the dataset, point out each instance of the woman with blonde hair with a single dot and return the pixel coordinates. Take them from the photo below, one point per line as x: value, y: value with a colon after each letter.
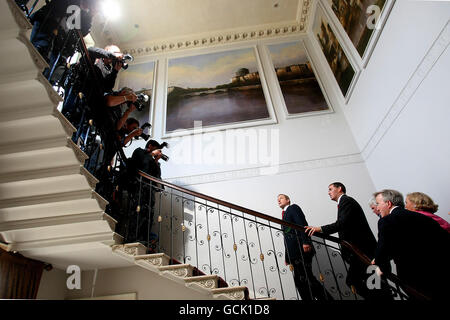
x: 422, y: 203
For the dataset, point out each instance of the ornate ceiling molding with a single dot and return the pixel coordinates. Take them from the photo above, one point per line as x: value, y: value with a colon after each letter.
x: 225, y: 36
x: 213, y: 39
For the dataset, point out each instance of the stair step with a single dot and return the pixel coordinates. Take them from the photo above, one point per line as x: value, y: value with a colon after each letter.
x: 24, y: 61
x: 16, y: 20
x: 53, y: 189
x: 230, y: 293
x: 32, y: 98
x: 130, y: 250
x: 51, y: 210
x: 176, y: 272
x: 102, y: 224
x: 202, y: 283
x: 36, y: 164
x: 28, y: 134
x: 152, y: 262
x: 66, y: 243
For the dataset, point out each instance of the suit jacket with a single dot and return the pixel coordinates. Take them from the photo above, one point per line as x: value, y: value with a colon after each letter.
x: 352, y: 226
x: 419, y: 248
x: 295, y: 239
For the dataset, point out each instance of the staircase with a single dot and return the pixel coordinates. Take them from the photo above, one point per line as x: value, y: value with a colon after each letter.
x: 49, y: 210
x: 47, y: 202
x: 184, y: 274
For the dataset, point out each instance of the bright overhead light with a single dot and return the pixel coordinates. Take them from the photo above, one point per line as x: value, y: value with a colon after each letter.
x: 110, y: 9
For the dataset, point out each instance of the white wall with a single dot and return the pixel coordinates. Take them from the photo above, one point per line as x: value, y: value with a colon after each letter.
x: 399, y: 110
x: 308, y: 189
x: 300, y: 139
x: 52, y: 285
x: 118, y: 281
x: 313, y: 151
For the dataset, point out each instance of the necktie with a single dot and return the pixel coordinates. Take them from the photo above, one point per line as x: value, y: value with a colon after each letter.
x: 282, y: 215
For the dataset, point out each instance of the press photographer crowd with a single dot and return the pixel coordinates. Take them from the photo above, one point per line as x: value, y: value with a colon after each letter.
x: 100, y: 114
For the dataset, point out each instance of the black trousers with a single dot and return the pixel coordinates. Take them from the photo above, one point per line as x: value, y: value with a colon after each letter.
x: 306, y: 283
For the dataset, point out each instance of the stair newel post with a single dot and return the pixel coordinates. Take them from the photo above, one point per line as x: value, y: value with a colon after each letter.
x: 221, y: 244
x: 274, y: 251
x: 249, y: 255
x: 235, y: 247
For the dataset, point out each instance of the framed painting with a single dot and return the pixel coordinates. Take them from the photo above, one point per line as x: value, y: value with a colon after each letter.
x: 141, y: 79
x: 362, y: 22
x: 301, y: 90
x: 344, y: 70
x: 220, y: 89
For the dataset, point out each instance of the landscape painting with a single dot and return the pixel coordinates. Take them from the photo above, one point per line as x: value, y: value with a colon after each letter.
x: 357, y: 19
x: 299, y: 86
x: 339, y: 63
x: 216, y: 89
x: 139, y: 78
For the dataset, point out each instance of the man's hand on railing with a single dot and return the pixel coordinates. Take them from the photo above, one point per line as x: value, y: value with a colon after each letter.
x: 311, y: 230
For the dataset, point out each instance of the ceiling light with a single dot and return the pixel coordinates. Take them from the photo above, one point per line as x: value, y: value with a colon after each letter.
x: 110, y: 9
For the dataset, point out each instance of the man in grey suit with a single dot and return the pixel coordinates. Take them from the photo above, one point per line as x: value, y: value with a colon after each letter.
x: 416, y: 243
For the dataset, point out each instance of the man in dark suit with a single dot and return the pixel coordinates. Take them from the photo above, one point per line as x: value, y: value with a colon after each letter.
x: 416, y: 243
x: 352, y: 226
x: 300, y: 252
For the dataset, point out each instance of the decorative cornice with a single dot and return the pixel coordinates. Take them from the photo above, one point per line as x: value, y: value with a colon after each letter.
x: 303, y: 14
x: 428, y: 62
x: 261, y: 171
x: 217, y: 38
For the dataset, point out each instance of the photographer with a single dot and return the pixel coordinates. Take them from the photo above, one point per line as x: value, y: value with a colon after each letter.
x: 108, y: 62
x: 146, y: 160
x: 50, y: 27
